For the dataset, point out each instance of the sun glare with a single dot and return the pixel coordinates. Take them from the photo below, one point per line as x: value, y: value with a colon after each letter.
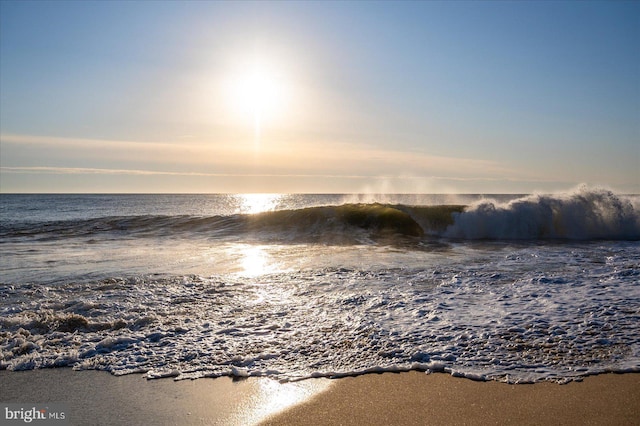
x: 259, y: 92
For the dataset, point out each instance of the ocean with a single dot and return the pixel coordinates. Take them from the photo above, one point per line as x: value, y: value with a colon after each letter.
x: 514, y: 288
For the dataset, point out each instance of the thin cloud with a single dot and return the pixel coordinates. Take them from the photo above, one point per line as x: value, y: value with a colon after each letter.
x: 273, y: 157
x: 137, y: 172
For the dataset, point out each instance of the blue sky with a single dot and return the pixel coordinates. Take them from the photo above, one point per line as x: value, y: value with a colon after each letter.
x: 370, y: 96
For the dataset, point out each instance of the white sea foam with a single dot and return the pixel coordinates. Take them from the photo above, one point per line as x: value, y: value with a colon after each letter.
x: 582, y: 214
x: 491, y: 311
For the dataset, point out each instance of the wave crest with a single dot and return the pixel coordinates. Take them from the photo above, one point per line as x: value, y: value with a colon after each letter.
x: 584, y: 214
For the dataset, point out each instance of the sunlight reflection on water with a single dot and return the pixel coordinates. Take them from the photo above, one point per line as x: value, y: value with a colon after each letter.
x: 258, y: 203
x: 272, y: 397
x: 256, y: 261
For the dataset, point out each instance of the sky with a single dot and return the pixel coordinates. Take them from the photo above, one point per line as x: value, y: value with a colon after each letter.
x: 328, y: 97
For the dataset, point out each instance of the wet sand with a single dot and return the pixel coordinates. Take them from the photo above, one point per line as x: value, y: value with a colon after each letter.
x: 418, y: 399
x: 98, y: 398
x: 93, y: 397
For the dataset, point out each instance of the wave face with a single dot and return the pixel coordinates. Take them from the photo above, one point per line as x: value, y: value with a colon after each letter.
x: 585, y: 214
x: 355, y: 222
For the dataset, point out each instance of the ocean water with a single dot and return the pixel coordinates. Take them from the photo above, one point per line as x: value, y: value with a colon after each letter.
x: 516, y: 288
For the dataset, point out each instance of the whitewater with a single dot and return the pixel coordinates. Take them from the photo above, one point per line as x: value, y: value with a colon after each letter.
x: 515, y: 288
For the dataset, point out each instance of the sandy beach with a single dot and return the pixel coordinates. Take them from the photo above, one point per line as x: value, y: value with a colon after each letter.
x: 99, y: 398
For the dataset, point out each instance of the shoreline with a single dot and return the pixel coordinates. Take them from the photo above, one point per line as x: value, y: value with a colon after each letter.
x: 96, y: 397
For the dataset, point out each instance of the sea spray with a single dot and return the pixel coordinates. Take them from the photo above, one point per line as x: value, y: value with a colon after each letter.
x: 584, y: 214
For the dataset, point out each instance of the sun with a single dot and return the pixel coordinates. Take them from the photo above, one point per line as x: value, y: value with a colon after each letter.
x: 259, y: 92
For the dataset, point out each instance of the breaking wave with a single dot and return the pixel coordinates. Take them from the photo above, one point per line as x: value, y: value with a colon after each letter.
x: 584, y: 214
